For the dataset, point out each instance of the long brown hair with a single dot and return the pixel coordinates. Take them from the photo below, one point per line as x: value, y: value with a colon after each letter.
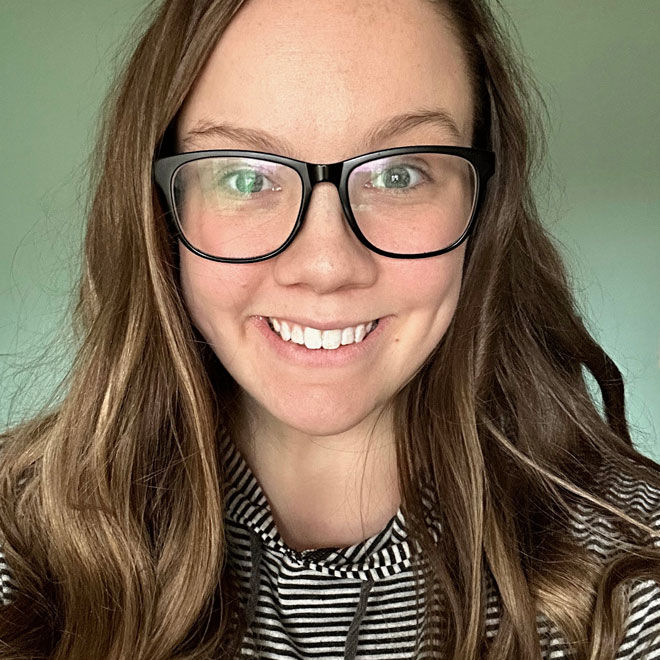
x: 111, y: 501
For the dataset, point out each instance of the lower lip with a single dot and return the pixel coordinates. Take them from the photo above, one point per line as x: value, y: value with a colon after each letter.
x: 320, y: 357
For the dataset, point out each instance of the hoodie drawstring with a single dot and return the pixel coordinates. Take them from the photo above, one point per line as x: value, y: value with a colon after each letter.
x: 354, y: 629
x: 256, y: 551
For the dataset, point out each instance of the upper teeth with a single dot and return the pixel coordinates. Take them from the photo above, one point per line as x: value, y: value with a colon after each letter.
x: 314, y: 338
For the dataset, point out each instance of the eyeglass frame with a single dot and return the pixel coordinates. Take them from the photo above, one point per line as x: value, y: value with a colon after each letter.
x: 483, y: 162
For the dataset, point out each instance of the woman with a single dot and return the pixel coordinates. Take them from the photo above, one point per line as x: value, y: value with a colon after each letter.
x: 329, y: 398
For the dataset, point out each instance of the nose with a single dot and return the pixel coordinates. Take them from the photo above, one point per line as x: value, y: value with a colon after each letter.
x: 326, y: 255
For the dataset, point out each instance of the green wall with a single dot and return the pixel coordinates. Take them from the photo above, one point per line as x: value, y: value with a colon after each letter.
x: 596, y: 63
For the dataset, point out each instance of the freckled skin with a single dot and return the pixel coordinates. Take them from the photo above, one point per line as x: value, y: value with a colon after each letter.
x: 321, y: 75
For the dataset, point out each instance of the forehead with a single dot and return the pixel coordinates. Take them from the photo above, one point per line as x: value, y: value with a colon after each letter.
x: 323, y: 75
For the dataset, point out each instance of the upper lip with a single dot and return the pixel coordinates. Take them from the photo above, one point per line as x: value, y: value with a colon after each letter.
x: 323, y: 325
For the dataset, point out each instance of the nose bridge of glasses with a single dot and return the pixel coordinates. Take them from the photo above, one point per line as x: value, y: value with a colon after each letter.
x: 330, y: 173
x: 319, y: 173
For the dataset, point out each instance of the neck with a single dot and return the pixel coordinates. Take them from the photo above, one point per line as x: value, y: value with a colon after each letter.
x: 324, y: 491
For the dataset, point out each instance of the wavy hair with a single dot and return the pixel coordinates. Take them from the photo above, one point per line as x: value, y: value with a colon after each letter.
x: 104, y: 494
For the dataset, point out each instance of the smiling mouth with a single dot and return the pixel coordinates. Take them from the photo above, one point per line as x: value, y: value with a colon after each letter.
x: 313, y: 338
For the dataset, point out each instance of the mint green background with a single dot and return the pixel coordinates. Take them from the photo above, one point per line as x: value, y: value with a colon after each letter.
x: 595, y: 60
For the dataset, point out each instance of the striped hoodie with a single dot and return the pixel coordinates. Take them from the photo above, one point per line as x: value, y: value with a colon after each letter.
x: 360, y: 602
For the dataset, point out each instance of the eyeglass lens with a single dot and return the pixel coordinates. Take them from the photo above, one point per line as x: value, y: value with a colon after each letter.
x: 238, y: 207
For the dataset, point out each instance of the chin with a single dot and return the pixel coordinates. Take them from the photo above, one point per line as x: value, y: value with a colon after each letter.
x: 318, y: 418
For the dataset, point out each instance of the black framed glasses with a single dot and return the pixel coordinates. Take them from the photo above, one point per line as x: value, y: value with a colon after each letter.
x: 245, y: 206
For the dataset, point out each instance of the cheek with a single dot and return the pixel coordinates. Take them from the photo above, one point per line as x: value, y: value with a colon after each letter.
x: 435, y: 290
x: 213, y: 292
x: 430, y: 286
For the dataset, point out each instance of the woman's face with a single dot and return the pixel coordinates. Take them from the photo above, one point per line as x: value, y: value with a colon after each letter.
x: 321, y: 77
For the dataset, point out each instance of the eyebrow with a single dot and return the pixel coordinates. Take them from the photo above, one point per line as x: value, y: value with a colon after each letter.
x: 205, y: 130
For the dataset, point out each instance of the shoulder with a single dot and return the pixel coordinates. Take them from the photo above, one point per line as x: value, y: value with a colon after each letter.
x: 641, y: 501
x: 641, y: 636
x: 604, y: 535
x: 639, y: 496
x: 6, y: 585
x: 642, y: 626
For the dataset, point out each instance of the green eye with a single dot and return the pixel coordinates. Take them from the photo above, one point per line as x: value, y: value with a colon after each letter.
x: 396, y: 177
x: 245, y: 181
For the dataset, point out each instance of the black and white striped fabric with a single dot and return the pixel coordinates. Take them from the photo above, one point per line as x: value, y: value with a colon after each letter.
x: 360, y: 602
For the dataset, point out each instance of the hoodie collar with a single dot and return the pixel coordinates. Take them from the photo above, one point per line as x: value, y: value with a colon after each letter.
x: 386, y: 553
